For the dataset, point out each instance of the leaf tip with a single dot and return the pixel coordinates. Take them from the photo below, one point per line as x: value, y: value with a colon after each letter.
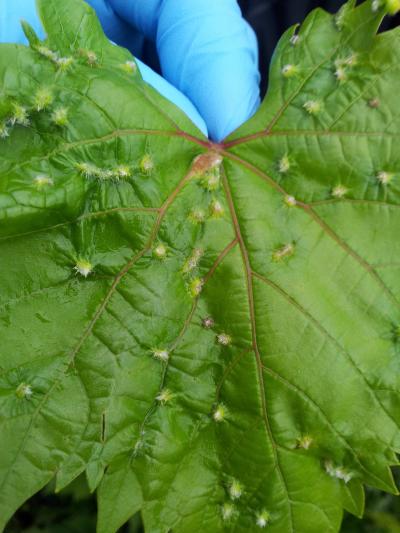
x: 392, y: 7
x: 29, y: 33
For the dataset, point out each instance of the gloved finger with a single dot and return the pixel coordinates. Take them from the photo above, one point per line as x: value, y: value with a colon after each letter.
x: 207, y: 51
x: 116, y: 29
x: 11, y: 14
x: 12, y: 11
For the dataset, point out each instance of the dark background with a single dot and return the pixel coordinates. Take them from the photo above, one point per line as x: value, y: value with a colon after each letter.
x: 74, y: 510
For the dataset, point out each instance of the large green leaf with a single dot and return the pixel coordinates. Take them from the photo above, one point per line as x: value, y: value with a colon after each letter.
x: 210, y: 332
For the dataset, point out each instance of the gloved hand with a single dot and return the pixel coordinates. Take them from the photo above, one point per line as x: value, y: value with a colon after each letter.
x: 208, y: 53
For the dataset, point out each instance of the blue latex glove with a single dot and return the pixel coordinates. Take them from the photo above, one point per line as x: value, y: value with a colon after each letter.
x: 208, y: 53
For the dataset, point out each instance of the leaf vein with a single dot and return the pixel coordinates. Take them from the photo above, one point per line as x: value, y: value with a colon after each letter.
x: 250, y: 295
x: 328, y: 336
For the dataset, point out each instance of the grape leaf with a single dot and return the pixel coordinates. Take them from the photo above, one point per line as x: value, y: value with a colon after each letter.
x: 211, y: 332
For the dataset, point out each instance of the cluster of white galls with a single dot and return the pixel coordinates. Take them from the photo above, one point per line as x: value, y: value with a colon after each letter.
x: 338, y: 472
x: 315, y: 106
x: 230, y: 511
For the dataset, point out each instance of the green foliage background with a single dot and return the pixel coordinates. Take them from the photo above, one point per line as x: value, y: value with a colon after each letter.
x: 343, y: 64
x: 74, y: 511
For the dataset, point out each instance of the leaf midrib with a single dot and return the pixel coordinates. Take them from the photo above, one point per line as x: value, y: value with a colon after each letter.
x: 252, y: 316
